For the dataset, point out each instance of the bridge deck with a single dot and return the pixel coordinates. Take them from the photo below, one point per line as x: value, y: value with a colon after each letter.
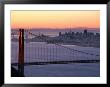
x: 58, y: 62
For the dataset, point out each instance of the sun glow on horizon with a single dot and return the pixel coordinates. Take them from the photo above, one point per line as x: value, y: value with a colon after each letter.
x: 55, y: 19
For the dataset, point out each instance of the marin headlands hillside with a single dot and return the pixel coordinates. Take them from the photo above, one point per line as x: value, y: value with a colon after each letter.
x: 55, y: 43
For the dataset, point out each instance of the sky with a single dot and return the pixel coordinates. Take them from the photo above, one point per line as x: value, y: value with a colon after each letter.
x: 55, y: 19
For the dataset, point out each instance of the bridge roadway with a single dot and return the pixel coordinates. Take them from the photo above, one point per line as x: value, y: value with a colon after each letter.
x: 58, y: 62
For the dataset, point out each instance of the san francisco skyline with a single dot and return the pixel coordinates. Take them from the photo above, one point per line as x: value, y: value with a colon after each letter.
x: 55, y: 19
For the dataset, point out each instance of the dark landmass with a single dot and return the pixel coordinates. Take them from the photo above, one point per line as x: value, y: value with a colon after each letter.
x: 15, y: 73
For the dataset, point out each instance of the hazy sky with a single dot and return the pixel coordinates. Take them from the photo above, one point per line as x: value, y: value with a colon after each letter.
x: 55, y: 19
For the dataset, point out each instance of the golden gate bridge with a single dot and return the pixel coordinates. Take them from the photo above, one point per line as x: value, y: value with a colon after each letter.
x: 33, y: 54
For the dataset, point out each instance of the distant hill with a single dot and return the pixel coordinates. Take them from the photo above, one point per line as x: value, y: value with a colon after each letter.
x: 78, y: 29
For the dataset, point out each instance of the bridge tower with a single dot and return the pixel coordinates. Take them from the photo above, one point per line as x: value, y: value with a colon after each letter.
x: 21, y: 52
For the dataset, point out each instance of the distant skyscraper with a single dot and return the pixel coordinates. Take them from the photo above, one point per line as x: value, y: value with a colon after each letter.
x: 59, y: 33
x: 85, y: 31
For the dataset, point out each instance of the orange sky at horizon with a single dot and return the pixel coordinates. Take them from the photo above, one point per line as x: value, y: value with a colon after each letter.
x: 55, y: 19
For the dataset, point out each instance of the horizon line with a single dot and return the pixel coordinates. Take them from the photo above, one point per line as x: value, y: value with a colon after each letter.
x: 61, y: 28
